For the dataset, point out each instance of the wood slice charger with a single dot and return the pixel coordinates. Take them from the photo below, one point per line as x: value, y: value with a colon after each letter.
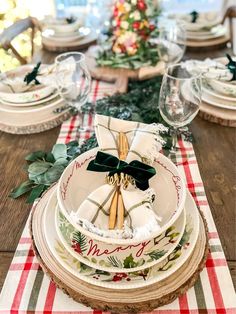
x: 121, y: 76
x: 81, y: 44
x: 118, y: 300
x: 206, y: 45
x: 225, y: 117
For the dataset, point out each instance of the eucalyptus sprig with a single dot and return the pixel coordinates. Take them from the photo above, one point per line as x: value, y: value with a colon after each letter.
x: 45, y: 168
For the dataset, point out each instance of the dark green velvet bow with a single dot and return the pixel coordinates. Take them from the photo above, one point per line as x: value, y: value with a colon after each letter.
x: 194, y: 16
x: 231, y: 66
x: 139, y: 171
x: 32, y: 76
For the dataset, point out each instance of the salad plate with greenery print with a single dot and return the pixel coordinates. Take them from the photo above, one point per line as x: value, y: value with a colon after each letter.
x: 114, y: 280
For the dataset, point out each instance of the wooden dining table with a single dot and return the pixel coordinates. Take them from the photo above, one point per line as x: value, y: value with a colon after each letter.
x: 214, y: 145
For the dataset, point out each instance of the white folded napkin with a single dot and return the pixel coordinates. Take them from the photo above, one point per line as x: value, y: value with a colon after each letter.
x: 140, y: 219
x: 47, y: 76
x: 205, y: 20
x: 144, y: 139
x: 210, y: 69
x: 16, y: 85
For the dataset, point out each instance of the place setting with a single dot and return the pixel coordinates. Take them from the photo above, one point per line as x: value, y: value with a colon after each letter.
x: 96, y: 236
x: 66, y: 34
x: 219, y: 88
x: 37, y: 98
x: 203, y: 29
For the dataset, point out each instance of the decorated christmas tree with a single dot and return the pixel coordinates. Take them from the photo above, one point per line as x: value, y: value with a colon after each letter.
x: 129, y: 44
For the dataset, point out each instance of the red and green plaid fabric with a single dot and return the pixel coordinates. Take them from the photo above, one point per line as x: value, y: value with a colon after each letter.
x: 27, y: 290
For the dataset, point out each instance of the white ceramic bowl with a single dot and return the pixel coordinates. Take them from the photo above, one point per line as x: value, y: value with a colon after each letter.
x: 76, y: 183
x: 36, y: 93
x: 110, y: 257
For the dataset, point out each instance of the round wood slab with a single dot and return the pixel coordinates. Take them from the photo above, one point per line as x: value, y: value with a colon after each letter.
x: 121, y: 76
x: 225, y: 117
x: 128, y: 301
x: 11, y: 124
x: 220, y: 42
x: 84, y: 43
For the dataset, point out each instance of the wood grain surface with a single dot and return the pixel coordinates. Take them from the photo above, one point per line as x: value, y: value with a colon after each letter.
x: 215, y: 147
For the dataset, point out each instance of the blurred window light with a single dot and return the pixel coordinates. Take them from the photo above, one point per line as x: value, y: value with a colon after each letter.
x: 184, y: 6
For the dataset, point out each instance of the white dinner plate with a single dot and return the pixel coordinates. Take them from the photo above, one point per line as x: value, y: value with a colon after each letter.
x: 215, y: 101
x: 51, y: 104
x: 81, y: 33
x: 210, y: 35
x: 43, y: 101
x: 208, y: 89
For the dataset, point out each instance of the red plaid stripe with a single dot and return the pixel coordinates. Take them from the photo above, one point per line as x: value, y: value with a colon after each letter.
x: 22, y: 281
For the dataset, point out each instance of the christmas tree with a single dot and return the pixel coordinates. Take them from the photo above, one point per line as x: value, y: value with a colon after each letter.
x: 129, y: 44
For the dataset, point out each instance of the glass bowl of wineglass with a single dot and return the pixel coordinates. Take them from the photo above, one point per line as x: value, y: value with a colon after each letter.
x: 180, y: 98
x: 73, y: 79
x: 171, y: 40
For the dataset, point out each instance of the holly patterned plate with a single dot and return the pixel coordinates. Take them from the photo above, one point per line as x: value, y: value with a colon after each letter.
x: 119, y: 258
x: 119, y: 280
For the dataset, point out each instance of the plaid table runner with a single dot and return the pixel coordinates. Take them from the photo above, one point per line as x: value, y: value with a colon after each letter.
x: 27, y: 290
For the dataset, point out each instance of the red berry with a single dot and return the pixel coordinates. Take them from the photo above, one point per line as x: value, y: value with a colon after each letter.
x: 136, y: 25
x: 116, y: 278
x: 141, y: 5
x: 116, y: 12
x: 152, y: 27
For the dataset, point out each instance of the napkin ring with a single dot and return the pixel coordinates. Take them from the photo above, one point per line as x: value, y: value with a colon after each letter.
x: 120, y: 179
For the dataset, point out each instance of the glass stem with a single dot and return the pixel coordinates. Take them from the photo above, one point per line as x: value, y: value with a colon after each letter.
x: 174, y: 139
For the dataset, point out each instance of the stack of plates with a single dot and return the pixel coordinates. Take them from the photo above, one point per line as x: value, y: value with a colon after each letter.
x: 29, y: 110
x: 207, y: 28
x: 58, y: 33
x: 220, y: 94
x: 103, y: 269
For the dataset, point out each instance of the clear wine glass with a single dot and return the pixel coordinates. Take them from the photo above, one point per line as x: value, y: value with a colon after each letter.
x: 180, y: 98
x: 73, y: 79
x: 171, y: 41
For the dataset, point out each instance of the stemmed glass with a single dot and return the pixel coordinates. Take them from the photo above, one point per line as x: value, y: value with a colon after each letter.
x: 171, y: 40
x: 180, y: 98
x: 73, y: 79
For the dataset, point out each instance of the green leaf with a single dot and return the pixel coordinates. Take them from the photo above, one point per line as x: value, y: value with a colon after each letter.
x: 53, y: 174
x: 173, y: 235
x: 35, y: 193
x: 61, y: 161
x: 21, y: 189
x: 35, y: 156
x: 39, y: 167
x: 33, y: 177
x: 129, y: 262
x: 59, y: 151
x: 41, y: 179
x: 49, y: 157
x: 176, y: 255
x: 169, y: 230
x: 81, y: 239
x: 156, y: 254
x: 72, y: 144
